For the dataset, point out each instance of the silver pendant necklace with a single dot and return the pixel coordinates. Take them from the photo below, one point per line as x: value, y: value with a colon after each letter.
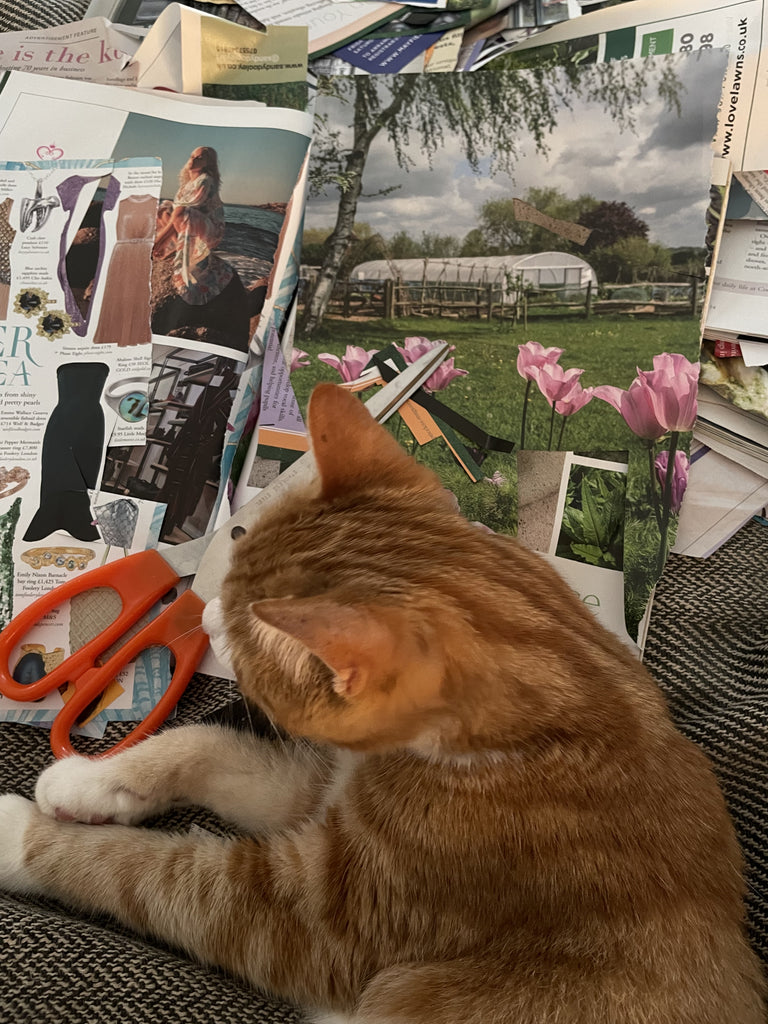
x: 36, y: 211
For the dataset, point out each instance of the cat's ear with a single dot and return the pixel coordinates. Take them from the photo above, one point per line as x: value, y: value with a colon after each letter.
x: 355, y: 643
x: 353, y: 452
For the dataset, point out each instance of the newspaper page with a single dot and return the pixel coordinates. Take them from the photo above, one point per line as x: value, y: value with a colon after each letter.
x: 92, y: 50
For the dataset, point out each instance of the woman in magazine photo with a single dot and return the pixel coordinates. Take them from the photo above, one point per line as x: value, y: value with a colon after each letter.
x: 197, y: 293
x: 192, y: 226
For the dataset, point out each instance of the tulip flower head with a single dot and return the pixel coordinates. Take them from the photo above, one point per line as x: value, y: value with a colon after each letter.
x: 351, y: 364
x: 680, y: 469
x: 574, y: 400
x: 443, y: 375
x: 657, y: 400
x: 299, y: 358
x: 555, y: 383
x: 636, y: 406
x: 532, y: 356
x: 414, y: 348
x: 674, y: 382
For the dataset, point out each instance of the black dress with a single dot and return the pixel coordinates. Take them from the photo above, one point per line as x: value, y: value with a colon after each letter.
x: 71, y: 455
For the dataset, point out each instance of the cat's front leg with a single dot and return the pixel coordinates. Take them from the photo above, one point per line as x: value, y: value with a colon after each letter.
x: 174, y: 887
x: 247, y: 906
x: 244, y: 779
x: 16, y: 815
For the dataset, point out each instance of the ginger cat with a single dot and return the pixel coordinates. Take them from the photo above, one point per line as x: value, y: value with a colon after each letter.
x: 496, y: 821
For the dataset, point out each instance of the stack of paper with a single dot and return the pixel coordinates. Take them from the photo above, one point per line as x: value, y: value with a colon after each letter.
x: 738, y: 305
x: 134, y: 328
x: 350, y: 37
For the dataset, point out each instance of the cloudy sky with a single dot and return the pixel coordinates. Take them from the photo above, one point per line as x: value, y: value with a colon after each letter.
x: 661, y: 169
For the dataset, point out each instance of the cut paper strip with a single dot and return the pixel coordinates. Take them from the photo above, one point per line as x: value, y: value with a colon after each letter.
x: 280, y: 421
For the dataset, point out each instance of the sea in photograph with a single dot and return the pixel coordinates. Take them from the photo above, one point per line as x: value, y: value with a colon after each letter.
x: 251, y: 238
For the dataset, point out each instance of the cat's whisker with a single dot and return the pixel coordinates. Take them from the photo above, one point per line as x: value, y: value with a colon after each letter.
x: 248, y: 714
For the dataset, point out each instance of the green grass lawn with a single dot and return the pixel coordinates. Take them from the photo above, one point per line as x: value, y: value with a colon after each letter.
x: 609, y: 349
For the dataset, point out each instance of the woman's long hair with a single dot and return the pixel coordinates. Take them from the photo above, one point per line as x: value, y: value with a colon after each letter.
x: 210, y: 166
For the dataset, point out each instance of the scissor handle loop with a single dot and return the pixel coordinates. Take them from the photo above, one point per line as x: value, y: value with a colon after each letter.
x: 177, y: 627
x: 140, y: 580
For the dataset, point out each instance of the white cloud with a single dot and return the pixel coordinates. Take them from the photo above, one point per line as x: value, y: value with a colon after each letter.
x: 661, y: 168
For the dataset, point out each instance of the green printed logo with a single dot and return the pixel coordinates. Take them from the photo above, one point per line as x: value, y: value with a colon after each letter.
x: 657, y: 42
x: 620, y: 44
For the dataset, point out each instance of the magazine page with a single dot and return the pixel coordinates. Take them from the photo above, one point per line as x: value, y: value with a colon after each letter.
x: 204, y: 300
x: 158, y: 477
x: 555, y: 338
x: 738, y: 300
x: 208, y: 286
x: 571, y: 510
x: 77, y: 350
x: 646, y: 28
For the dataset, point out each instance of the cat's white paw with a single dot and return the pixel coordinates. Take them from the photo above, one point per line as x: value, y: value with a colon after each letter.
x: 16, y: 814
x: 213, y: 624
x: 90, y: 791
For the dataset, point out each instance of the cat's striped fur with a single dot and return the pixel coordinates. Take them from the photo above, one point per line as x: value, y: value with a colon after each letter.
x: 495, y: 821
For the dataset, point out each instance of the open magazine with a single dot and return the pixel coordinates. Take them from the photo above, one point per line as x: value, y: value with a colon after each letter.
x: 148, y: 243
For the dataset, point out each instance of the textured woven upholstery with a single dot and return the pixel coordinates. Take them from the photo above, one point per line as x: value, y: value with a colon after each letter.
x: 21, y: 14
x: 708, y: 648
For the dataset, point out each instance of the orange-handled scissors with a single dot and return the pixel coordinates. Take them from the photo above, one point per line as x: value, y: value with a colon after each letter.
x: 141, y: 580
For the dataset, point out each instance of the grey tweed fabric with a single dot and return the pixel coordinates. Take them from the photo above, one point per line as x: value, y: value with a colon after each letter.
x: 16, y: 15
x: 708, y: 649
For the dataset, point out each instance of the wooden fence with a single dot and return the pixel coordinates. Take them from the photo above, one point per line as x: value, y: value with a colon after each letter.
x: 465, y: 301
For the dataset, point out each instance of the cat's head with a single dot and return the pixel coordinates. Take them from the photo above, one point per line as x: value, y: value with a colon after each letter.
x: 333, y: 611
x: 365, y: 611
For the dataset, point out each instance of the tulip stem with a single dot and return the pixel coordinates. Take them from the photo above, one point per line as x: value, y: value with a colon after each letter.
x: 654, y: 492
x: 667, y: 500
x: 562, y: 431
x: 525, y: 413
x: 551, y: 428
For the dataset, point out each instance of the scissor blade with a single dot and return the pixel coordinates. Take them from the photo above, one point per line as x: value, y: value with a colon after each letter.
x: 185, y: 558
x: 215, y: 560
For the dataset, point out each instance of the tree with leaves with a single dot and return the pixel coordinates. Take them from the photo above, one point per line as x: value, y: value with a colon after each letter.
x: 403, y: 247
x: 505, y: 234
x: 632, y: 259
x: 611, y: 222
x: 490, y: 112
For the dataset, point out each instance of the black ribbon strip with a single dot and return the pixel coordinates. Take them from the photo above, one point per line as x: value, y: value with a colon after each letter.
x: 484, y: 441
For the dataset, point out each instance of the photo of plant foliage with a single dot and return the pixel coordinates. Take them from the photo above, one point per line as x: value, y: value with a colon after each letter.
x: 592, y: 526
